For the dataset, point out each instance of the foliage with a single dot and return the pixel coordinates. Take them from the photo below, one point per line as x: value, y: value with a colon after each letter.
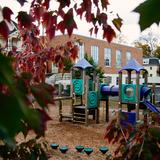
x: 148, y: 11
x: 98, y: 69
x: 139, y: 142
x: 15, y: 99
x: 146, y: 50
x: 63, y: 18
x: 157, y: 52
x: 32, y: 149
x: 22, y: 73
x: 67, y: 65
x: 149, y: 43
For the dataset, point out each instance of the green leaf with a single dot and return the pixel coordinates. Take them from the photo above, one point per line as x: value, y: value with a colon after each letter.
x: 155, y: 132
x: 10, y: 117
x: 34, y: 121
x: 6, y: 71
x: 149, y: 13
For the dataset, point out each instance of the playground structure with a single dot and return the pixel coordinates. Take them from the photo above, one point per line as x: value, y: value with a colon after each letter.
x: 85, y: 88
x: 87, y: 92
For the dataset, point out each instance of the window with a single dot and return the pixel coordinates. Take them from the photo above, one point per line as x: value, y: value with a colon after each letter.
x: 150, y: 68
x: 118, y: 58
x: 81, y: 51
x: 107, y: 56
x: 145, y: 61
x: 150, y: 75
x: 128, y: 56
x: 94, y: 53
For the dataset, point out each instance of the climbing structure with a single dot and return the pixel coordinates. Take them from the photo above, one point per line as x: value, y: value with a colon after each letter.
x: 84, y: 89
x: 134, y: 95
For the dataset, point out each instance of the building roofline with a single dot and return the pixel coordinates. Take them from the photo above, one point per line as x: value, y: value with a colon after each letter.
x: 113, y: 43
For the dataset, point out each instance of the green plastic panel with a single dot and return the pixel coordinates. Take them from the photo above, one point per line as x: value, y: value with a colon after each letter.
x: 78, y: 86
x: 92, y: 101
x: 128, y: 93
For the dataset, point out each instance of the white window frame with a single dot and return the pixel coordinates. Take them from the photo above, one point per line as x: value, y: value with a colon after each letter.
x: 128, y: 56
x: 118, y: 58
x: 107, y: 57
x: 81, y: 51
x: 95, y: 53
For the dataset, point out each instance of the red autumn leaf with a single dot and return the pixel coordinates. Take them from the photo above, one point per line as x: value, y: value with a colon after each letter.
x: 61, y: 13
x: 96, y: 2
x: 57, y: 58
x: 61, y: 65
x: 102, y: 18
x: 91, y: 30
x: 69, y: 44
x: 38, y: 12
x: 21, y: 2
x: 49, y: 20
x: 105, y: 3
x: 108, y: 33
x: 44, y: 118
x: 96, y: 30
x: 32, y: 3
x: 63, y: 3
x: 4, y: 30
x: 46, y: 3
x: 51, y: 32
x: 61, y: 26
x: 70, y: 24
x: 87, y: 5
x: 74, y: 53
x: 25, y: 20
x: 90, y: 17
x: 7, y: 12
x: 80, y: 12
x: 75, y: 6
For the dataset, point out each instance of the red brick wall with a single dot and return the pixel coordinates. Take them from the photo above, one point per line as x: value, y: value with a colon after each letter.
x: 88, y: 42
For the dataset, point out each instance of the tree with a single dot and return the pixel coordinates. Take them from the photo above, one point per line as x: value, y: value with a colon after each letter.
x: 157, y: 52
x: 149, y: 43
x: 22, y: 75
x: 98, y: 69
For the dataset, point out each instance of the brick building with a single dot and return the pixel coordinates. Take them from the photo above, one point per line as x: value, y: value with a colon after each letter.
x: 110, y: 56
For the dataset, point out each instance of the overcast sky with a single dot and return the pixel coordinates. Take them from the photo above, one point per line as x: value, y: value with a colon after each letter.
x: 130, y: 28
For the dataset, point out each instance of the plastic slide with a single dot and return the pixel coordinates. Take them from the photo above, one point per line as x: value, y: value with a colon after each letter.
x: 151, y: 106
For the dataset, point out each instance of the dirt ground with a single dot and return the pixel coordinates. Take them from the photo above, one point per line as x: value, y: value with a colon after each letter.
x: 70, y: 134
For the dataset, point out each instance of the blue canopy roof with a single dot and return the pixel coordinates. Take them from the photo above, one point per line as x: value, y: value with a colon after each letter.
x: 83, y: 64
x: 133, y: 65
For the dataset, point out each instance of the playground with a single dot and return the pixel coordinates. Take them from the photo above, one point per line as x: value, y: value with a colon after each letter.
x: 70, y: 134
x: 79, y: 120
